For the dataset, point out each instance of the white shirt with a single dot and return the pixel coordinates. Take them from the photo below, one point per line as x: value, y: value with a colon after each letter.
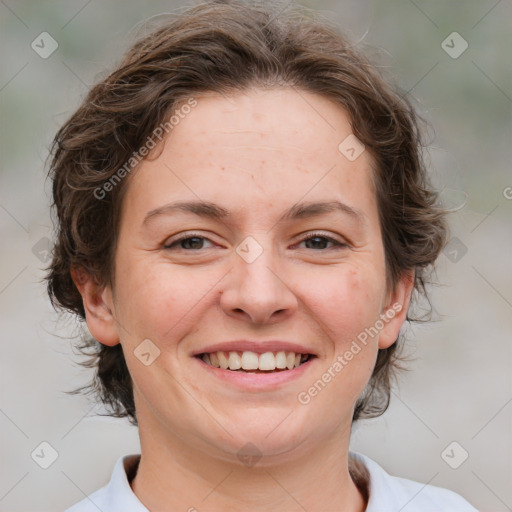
x: 387, y: 493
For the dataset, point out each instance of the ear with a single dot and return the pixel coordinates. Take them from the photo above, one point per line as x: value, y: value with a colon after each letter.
x: 394, y: 313
x: 99, y: 307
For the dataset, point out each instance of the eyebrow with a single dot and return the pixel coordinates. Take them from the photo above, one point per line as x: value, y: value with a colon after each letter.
x: 298, y: 211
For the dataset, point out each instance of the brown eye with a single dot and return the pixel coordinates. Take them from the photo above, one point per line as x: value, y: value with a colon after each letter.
x: 188, y: 243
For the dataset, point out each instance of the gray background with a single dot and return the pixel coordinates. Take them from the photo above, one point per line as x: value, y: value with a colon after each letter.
x: 459, y: 388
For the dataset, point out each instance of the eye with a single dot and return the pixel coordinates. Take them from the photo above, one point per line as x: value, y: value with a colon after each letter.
x: 189, y: 242
x: 319, y: 241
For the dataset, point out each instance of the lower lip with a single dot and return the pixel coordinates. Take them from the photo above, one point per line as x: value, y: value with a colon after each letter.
x: 257, y: 381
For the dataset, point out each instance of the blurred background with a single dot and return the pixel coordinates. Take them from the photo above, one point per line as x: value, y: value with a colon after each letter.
x: 449, y: 423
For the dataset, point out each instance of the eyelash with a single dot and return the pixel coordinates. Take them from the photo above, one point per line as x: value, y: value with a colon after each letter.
x: 338, y: 244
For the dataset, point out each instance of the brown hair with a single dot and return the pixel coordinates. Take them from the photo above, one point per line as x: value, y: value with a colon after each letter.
x: 225, y: 47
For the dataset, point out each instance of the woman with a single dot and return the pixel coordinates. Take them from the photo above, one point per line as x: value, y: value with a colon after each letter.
x: 244, y: 217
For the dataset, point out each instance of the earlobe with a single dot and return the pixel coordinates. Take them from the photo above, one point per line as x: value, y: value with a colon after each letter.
x: 395, y: 311
x: 98, y: 306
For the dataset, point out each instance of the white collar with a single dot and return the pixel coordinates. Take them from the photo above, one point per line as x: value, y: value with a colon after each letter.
x: 387, y: 493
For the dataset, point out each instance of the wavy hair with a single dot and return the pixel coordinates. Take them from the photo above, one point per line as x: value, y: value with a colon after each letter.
x: 226, y: 47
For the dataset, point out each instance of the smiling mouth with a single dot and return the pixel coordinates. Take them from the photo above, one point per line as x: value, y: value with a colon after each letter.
x: 251, y: 362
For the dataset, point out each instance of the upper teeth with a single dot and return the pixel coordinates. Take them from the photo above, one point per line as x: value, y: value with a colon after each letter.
x: 252, y: 361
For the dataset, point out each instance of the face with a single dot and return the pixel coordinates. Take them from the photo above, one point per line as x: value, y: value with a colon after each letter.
x: 263, y: 265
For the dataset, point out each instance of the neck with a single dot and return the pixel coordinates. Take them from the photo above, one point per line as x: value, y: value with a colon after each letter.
x: 173, y: 472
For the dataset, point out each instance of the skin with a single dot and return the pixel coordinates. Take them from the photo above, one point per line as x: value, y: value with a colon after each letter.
x: 256, y: 154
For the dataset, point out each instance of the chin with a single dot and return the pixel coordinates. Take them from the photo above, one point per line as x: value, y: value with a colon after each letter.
x: 268, y: 442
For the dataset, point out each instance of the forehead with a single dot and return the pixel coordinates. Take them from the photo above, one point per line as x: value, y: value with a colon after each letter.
x: 256, y: 149
x: 288, y: 121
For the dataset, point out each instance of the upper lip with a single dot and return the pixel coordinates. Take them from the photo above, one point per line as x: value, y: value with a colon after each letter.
x: 259, y: 347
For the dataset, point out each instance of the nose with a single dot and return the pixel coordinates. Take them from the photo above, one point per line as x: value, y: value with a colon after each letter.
x: 257, y: 292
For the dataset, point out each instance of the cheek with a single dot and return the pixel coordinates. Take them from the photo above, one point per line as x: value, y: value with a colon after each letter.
x: 346, y: 308
x: 158, y: 303
x: 346, y: 304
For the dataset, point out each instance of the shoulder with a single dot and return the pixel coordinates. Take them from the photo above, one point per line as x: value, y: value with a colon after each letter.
x: 117, y: 494
x: 91, y: 503
x: 392, y: 494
